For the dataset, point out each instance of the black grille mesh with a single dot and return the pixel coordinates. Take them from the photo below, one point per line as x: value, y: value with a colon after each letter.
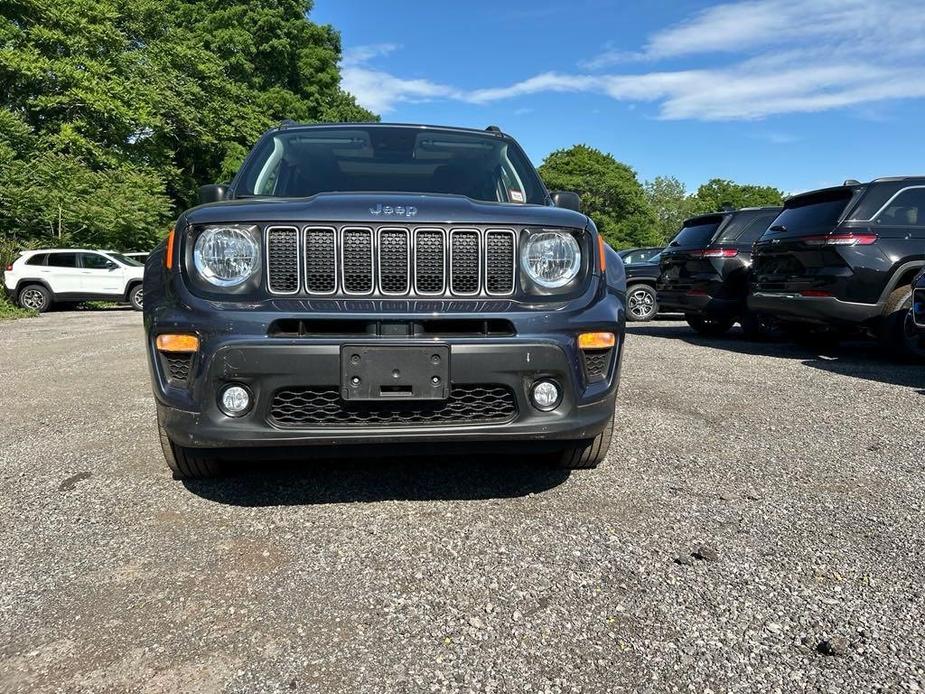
x: 283, y: 260
x: 429, y: 252
x: 322, y: 406
x: 320, y: 274
x: 499, y: 263
x: 357, y: 258
x: 178, y: 366
x: 394, y: 268
x: 597, y: 363
x: 464, y: 261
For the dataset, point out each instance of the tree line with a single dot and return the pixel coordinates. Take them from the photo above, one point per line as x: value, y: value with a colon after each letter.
x: 113, y: 112
x: 630, y: 213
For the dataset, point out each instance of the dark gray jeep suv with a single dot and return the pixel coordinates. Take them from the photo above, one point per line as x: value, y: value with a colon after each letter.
x: 370, y: 284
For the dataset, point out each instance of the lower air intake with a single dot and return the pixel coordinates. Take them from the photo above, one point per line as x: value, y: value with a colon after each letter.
x: 313, y: 406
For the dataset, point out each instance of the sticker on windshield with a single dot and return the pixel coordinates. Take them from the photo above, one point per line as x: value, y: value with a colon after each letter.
x: 516, y: 196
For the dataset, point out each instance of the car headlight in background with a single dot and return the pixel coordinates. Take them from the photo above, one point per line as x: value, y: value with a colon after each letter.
x: 551, y: 258
x: 227, y: 255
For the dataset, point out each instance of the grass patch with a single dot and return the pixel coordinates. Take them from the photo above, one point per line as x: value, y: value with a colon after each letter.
x: 98, y: 305
x: 10, y: 312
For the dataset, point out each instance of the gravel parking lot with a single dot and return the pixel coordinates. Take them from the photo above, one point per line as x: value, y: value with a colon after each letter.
x: 803, y: 472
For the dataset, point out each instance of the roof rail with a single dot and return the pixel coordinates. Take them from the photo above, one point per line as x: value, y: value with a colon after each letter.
x: 851, y: 182
x: 288, y: 123
x: 493, y: 129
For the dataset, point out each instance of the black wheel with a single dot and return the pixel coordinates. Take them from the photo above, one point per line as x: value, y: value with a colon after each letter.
x: 897, y: 333
x: 710, y: 327
x: 187, y: 463
x: 585, y: 455
x: 641, y: 303
x: 136, y: 297
x: 35, y: 298
x: 758, y: 327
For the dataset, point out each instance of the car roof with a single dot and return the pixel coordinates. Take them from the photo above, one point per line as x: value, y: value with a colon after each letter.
x: 66, y: 250
x: 291, y: 125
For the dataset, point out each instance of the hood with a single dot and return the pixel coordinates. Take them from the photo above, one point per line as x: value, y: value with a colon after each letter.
x: 383, y: 208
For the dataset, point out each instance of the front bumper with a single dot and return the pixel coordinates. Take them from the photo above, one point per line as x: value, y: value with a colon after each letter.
x: 812, y: 309
x: 235, y: 348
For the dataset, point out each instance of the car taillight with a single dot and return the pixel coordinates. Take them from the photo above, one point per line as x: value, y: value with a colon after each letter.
x: 846, y: 239
x: 815, y: 293
x: 719, y: 253
x: 9, y: 268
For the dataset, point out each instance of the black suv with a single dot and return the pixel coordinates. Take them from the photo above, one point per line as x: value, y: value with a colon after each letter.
x: 845, y: 257
x: 704, y: 270
x: 642, y: 270
x: 384, y: 284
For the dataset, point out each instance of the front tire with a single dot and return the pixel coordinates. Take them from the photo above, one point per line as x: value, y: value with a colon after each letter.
x: 759, y: 327
x: 35, y: 297
x: 641, y: 303
x: 586, y: 455
x: 708, y: 327
x: 188, y: 463
x: 896, y: 332
x: 136, y: 297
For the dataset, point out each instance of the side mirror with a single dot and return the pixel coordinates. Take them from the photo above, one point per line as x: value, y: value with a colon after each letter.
x: 566, y: 200
x: 111, y: 265
x: 214, y: 192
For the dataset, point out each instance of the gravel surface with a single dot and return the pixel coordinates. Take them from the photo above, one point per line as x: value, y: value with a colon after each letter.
x: 757, y: 527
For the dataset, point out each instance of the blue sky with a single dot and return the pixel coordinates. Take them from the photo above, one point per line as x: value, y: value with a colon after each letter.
x: 793, y: 93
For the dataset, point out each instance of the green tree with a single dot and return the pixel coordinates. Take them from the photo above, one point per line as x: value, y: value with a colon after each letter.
x: 718, y: 193
x: 114, y: 111
x: 670, y: 203
x: 610, y: 194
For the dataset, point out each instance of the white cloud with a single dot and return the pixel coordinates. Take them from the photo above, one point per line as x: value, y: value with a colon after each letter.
x: 768, y: 57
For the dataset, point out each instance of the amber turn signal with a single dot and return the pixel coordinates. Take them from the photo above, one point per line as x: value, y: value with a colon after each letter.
x: 177, y: 343
x: 168, y: 258
x: 601, y: 254
x: 596, y: 340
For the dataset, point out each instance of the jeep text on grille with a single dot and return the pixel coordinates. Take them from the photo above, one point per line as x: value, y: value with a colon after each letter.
x: 384, y: 285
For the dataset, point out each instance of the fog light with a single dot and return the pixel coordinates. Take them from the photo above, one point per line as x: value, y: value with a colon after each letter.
x: 546, y: 395
x: 235, y: 401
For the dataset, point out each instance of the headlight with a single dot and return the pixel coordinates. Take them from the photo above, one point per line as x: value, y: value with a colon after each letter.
x: 226, y: 256
x: 551, y: 258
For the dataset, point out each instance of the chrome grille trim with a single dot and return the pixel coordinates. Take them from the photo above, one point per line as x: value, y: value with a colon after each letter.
x: 304, y: 253
x: 458, y: 233
x: 407, y: 248
x: 487, y: 257
x: 371, y: 280
x: 443, y: 258
x: 270, y: 232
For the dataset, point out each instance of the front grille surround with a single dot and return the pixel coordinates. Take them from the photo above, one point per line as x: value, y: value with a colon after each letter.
x: 349, y: 260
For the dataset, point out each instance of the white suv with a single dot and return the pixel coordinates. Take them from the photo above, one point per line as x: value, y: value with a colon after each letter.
x: 36, y: 279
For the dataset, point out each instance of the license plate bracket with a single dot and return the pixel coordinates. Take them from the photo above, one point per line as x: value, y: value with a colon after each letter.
x: 378, y: 373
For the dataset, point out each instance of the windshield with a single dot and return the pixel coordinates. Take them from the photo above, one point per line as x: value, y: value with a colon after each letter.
x: 305, y: 161
x: 696, y: 233
x: 125, y: 260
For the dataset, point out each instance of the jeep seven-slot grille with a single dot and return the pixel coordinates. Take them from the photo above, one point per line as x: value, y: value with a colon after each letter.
x: 312, y: 406
x: 391, y: 261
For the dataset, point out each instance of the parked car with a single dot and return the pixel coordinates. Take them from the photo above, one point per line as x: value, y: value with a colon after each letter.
x: 641, y: 299
x: 140, y: 256
x: 632, y: 256
x: 367, y: 284
x: 38, y: 279
x: 844, y: 258
x: 704, y: 270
